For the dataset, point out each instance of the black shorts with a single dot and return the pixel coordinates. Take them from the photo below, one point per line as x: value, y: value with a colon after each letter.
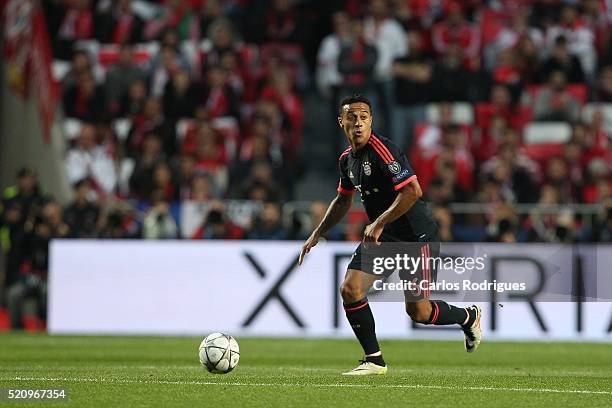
x: 411, y: 259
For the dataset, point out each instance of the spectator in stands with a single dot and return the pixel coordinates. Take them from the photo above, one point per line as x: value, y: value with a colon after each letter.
x: 163, y: 66
x: 601, y: 231
x: 82, y: 214
x: 514, y: 174
x: 85, y: 100
x: 238, y: 76
x: 317, y: 211
x: 283, y: 23
x: 80, y: 64
x: 387, y: 35
x: 603, y: 90
x: 541, y: 221
x: 269, y: 225
x: 175, y: 15
x: 382, y: 31
x: 158, y: 222
x: 201, y: 189
x: 119, y: 24
x: 117, y: 221
x: 502, y: 224
x: 217, y: 225
x: 185, y: 168
x: 527, y: 60
x: 356, y: 63
x: 141, y: 180
x: 218, y: 96
x: 517, y: 30
x: 562, y: 60
x: 77, y: 24
x: 221, y: 38
x: 164, y: 187
x: 451, y: 80
x: 280, y: 91
x: 556, y: 174
x: 132, y: 103
x: 259, y: 185
x: 328, y: 77
x: 89, y: 159
x: 413, y: 75
x: 20, y: 204
x: 151, y: 120
x: 212, y: 11
x: 454, y: 30
x: 580, y: 38
x: 26, y: 195
x: 444, y: 218
x: 119, y: 78
x: 26, y: 297
x: 599, y: 184
x: 554, y: 102
x: 181, y: 96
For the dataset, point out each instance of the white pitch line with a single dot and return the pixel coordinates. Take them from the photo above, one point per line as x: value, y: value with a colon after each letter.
x: 238, y: 384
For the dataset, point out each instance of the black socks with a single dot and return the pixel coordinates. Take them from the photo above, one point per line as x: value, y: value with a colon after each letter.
x: 444, y: 314
x: 361, y: 319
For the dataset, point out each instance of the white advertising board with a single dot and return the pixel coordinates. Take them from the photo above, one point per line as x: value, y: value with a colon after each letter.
x: 254, y: 288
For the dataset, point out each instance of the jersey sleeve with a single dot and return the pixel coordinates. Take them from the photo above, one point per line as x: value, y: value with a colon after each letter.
x: 345, y: 186
x: 393, y: 163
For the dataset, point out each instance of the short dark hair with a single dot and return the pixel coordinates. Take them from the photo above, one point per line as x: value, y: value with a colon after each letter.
x: 355, y: 98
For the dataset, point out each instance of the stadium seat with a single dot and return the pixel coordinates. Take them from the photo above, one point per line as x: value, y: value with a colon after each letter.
x: 578, y: 91
x: 605, y: 108
x: 121, y: 127
x: 547, y: 132
x: 5, y: 321
x: 463, y: 113
x: 59, y: 69
x: 544, y: 151
x: 72, y: 128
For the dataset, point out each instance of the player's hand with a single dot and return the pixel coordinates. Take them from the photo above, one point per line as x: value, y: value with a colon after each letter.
x: 372, y: 232
x: 312, y: 240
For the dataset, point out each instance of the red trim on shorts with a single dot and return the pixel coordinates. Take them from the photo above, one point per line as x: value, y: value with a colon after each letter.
x: 436, y: 313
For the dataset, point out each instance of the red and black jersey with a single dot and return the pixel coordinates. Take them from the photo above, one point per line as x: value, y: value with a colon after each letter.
x: 378, y: 171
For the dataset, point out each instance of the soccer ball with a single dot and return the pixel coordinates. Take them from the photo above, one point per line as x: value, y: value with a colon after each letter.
x: 219, y: 353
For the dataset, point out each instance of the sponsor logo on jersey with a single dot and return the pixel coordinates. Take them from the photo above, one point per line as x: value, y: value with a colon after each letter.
x: 394, y: 167
x: 400, y: 176
x: 367, y: 169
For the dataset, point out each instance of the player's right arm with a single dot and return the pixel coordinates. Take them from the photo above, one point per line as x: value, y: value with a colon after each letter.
x: 335, y: 212
x: 337, y: 208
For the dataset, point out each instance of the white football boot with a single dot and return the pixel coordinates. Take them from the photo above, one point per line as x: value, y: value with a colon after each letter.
x: 367, y: 368
x: 473, y: 333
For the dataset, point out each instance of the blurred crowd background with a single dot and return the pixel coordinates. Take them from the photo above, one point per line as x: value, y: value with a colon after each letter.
x: 210, y: 119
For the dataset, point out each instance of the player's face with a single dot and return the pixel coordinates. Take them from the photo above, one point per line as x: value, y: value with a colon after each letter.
x: 356, y: 121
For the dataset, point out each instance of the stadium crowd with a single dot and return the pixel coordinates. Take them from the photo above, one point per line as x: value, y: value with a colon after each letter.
x: 185, y: 119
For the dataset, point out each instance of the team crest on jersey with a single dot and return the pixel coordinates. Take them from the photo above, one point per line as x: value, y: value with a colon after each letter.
x: 394, y: 167
x: 367, y: 169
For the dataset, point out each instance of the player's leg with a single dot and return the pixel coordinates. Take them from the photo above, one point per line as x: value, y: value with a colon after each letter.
x: 354, y: 290
x: 437, y: 312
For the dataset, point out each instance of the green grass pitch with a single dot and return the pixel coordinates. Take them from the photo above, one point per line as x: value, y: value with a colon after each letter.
x: 165, y: 372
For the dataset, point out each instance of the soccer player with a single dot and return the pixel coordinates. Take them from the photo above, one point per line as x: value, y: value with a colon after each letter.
x: 391, y: 196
